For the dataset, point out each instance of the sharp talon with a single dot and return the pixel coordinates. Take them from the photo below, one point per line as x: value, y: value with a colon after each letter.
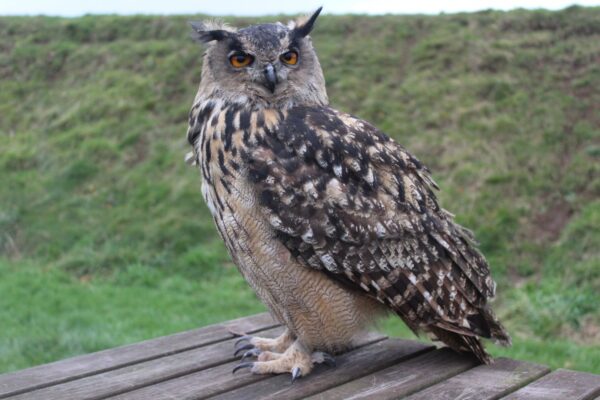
x: 329, y: 360
x: 320, y: 357
x: 243, y: 365
x: 251, y: 352
x: 242, y: 339
x: 242, y: 348
x: 296, y: 373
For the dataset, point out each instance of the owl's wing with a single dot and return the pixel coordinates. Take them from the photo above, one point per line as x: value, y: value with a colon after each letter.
x: 346, y: 199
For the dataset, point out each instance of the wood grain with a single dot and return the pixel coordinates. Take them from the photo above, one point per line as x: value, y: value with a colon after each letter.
x: 197, y: 364
x: 485, y: 382
x: 403, y: 378
x: 210, y: 382
x: 560, y: 385
x: 121, y: 380
x: 95, y: 363
x: 350, y: 366
x: 128, y: 378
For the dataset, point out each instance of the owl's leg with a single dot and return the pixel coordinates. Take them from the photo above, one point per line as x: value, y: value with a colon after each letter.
x: 257, y: 345
x: 296, y: 360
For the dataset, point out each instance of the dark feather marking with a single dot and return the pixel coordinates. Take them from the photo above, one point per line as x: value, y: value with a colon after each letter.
x: 204, y: 113
x: 224, y: 169
x: 268, y: 199
x: 234, y: 44
x: 244, y: 121
x: 229, y: 128
x: 260, y: 119
x: 207, y: 152
x: 258, y: 174
x: 206, y: 159
x: 219, y: 202
x: 225, y: 185
x: 196, y: 129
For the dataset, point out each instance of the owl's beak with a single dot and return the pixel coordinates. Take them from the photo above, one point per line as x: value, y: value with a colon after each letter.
x: 270, y: 78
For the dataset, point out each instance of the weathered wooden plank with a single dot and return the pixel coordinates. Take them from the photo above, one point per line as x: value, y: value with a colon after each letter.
x: 89, y: 365
x: 209, y: 382
x: 350, y: 366
x: 403, y: 378
x: 559, y: 385
x: 485, y: 382
x: 138, y: 375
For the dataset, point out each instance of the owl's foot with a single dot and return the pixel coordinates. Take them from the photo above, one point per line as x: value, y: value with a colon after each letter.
x: 256, y: 345
x: 296, y: 360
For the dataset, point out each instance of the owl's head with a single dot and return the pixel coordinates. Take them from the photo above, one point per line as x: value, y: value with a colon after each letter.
x: 265, y: 65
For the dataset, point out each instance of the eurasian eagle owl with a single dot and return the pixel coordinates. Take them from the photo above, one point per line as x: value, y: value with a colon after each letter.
x: 330, y: 221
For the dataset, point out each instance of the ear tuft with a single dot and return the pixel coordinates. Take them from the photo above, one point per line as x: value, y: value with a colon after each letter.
x: 303, y: 28
x: 207, y: 31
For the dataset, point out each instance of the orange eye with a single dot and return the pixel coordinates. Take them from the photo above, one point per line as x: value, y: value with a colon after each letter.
x: 240, y: 60
x: 291, y: 57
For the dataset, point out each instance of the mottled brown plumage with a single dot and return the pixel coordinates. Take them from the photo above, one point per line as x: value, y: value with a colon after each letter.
x: 330, y: 221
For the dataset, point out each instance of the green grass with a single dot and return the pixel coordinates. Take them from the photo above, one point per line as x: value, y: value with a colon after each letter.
x: 48, y: 314
x: 104, y: 239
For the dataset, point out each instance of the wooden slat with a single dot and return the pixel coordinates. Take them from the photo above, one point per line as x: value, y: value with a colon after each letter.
x: 349, y: 366
x: 403, y: 378
x: 559, y: 385
x: 94, y: 363
x: 128, y: 378
x: 138, y: 375
x: 197, y: 364
x: 209, y: 382
x: 485, y: 382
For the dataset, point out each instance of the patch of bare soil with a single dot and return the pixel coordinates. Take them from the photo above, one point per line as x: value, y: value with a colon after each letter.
x: 547, y: 225
x: 587, y: 334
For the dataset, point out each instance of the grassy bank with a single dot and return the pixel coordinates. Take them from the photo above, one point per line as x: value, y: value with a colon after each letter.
x: 104, y: 238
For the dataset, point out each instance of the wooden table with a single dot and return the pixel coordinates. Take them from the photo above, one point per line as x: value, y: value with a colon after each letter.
x: 197, y: 364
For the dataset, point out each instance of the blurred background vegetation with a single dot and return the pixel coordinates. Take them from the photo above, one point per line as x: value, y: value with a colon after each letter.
x: 104, y: 238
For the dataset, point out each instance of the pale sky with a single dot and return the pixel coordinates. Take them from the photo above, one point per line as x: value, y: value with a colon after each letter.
x: 72, y: 8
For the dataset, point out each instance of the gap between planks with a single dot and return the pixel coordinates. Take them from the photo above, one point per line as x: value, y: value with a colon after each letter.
x: 352, y: 365
x: 560, y: 384
x: 79, y: 367
x: 484, y: 382
x: 212, y: 381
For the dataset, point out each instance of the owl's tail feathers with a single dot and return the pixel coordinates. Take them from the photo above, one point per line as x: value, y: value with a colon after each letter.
x: 484, y: 324
x: 462, y: 343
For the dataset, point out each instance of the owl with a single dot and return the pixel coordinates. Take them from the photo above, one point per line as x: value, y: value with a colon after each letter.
x: 331, y: 222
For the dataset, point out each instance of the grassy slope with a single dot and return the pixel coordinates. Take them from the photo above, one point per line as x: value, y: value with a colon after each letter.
x: 104, y: 238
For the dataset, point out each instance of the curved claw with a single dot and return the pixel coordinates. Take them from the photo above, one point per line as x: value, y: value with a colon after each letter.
x: 251, y: 353
x: 243, y: 365
x: 329, y: 360
x: 242, y: 348
x: 242, y: 339
x: 296, y: 373
x: 320, y: 357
